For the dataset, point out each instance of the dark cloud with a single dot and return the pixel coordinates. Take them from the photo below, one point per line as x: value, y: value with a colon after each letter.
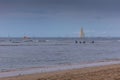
x: 57, y: 6
x: 88, y: 4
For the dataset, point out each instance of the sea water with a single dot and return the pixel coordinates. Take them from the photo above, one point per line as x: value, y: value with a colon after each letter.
x: 16, y: 53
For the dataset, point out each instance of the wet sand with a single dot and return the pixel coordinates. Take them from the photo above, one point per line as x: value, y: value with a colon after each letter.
x: 107, y: 72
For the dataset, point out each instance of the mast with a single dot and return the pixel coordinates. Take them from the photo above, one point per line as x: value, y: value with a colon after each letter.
x: 82, y: 34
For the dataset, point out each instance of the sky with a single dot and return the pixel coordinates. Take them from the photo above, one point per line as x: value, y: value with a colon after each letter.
x: 59, y: 18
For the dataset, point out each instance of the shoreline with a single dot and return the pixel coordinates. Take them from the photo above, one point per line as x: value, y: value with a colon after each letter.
x: 41, y: 70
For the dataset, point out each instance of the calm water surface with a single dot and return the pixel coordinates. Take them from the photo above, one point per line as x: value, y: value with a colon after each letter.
x: 41, y: 52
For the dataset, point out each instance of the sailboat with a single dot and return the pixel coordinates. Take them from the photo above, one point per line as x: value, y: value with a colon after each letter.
x: 27, y: 39
x: 82, y: 34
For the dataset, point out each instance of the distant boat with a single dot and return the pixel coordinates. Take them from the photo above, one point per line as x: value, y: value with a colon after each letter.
x: 82, y: 38
x: 82, y: 34
x: 27, y: 39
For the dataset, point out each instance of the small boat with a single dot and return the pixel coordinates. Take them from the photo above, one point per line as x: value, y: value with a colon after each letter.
x: 82, y: 37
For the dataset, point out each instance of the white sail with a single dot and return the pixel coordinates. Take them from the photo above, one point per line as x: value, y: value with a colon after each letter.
x: 82, y: 34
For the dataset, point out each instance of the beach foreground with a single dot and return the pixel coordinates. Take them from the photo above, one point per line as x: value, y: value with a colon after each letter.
x: 108, y: 72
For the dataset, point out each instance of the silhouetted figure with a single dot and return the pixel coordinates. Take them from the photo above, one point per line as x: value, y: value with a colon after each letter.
x: 10, y: 40
x: 84, y: 42
x: 80, y: 42
x: 76, y: 41
x: 93, y: 42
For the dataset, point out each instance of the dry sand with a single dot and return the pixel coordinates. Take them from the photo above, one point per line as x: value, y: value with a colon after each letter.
x: 111, y: 72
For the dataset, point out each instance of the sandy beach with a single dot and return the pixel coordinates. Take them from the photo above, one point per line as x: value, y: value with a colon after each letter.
x: 107, y: 72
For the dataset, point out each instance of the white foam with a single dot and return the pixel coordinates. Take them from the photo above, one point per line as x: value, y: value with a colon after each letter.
x: 52, y: 69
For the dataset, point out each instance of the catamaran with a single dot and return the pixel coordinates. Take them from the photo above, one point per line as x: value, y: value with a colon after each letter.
x: 82, y: 37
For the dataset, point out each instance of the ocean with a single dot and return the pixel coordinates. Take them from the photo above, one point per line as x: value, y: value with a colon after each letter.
x: 18, y: 53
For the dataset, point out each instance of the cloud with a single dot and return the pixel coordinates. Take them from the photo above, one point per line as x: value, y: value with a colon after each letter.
x: 73, y: 4
x: 84, y: 9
